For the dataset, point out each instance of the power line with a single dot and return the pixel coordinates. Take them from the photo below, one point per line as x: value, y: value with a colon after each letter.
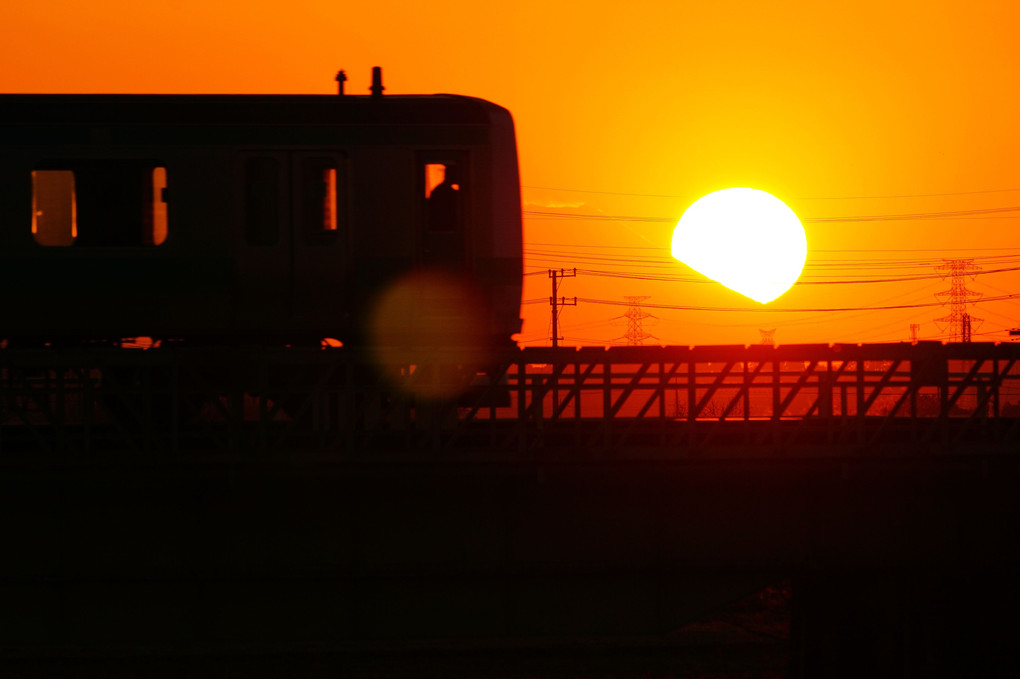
x: 650, y: 247
x: 875, y: 197
x: 682, y: 279
x: 827, y: 317
x: 846, y: 279
x: 911, y: 216
x: 920, y: 250
x: 635, y: 260
x: 591, y: 217
x: 636, y: 266
x: 916, y: 216
x: 813, y: 261
x: 680, y: 307
x: 909, y: 195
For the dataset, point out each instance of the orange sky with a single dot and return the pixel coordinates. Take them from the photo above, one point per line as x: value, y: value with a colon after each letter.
x: 618, y: 103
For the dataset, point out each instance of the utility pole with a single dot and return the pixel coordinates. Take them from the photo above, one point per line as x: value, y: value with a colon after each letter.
x: 914, y: 328
x: 556, y: 302
x: 959, y: 296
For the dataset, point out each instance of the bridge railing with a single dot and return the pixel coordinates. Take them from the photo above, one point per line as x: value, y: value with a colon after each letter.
x: 731, y: 400
x: 857, y: 395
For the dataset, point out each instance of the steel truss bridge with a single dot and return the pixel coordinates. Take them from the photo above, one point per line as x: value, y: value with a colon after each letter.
x: 662, y: 402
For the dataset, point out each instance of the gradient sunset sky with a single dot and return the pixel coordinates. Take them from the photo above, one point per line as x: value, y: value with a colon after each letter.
x: 634, y: 110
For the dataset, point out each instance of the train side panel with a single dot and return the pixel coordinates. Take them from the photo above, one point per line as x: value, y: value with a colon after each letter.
x: 263, y: 219
x: 109, y: 283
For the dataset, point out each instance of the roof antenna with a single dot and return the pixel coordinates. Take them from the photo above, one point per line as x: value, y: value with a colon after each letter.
x: 340, y: 78
x: 377, y: 88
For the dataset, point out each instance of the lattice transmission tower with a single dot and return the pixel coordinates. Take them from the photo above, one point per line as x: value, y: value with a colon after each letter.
x: 768, y: 337
x: 958, y: 321
x: 635, y: 318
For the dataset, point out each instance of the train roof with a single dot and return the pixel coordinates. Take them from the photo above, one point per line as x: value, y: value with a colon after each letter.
x: 244, y: 109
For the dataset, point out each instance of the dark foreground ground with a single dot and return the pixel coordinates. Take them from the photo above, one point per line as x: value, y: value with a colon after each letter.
x: 746, y: 640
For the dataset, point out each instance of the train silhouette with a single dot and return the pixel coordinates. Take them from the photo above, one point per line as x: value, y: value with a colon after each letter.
x: 265, y: 219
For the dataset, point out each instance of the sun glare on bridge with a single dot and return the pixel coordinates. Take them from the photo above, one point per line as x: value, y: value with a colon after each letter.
x: 745, y: 239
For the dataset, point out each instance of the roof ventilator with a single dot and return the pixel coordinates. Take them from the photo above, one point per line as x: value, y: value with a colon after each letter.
x: 377, y: 86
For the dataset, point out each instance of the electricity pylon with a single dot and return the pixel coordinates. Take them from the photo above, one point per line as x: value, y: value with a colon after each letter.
x: 635, y: 318
x: 958, y: 320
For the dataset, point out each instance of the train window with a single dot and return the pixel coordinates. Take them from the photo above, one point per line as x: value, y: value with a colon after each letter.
x: 262, y: 200
x: 435, y: 174
x: 159, y: 212
x: 101, y: 203
x: 443, y: 197
x: 53, y: 207
x: 319, y: 206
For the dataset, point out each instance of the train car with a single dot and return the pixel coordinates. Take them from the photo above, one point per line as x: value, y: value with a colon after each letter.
x: 280, y: 220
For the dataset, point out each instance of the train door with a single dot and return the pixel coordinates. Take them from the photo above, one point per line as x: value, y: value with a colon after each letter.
x: 263, y: 289
x: 444, y: 190
x: 294, y: 257
x: 320, y: 224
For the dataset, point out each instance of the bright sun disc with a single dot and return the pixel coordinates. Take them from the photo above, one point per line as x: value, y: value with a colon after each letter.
x: 746, y: 239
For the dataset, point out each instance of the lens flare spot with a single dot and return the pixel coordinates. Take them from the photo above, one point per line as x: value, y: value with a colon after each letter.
x: 427, y: 334
x: 746, y: 239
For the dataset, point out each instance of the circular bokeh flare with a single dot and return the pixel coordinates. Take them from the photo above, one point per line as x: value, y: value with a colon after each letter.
x: 428, y: 335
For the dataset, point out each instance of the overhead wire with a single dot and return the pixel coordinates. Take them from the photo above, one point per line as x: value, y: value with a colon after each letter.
x: 570, y: 250
x: 874, y: 197
x: 542, y: 259
x: 911, y: 216
x: 652, y: 263
x: 829, y: 271
x: 683, y: 279
x: 681, y: 307
x: 649, y: 247
x: 874, y: 331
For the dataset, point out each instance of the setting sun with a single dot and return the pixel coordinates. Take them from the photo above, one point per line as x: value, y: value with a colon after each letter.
x: 746, y: 239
